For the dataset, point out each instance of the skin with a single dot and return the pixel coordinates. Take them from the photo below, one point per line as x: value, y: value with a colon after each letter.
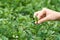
x: 46, y: 14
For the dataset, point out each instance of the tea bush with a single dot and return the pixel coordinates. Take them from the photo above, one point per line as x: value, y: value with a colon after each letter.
x: 17, y: 22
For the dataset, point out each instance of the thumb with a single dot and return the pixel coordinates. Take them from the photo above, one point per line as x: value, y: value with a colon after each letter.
x: 43, y: 20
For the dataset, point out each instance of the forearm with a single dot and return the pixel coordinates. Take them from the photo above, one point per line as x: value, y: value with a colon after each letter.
x: 59, y: 16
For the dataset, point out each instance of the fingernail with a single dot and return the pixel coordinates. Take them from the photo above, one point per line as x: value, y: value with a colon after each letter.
x: 38, y: 22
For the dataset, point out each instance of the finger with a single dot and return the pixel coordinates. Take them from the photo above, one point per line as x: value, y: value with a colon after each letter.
x: 36, y: 22
x: 42, y: 14
x: 43, y: 20
x: 35, y: 14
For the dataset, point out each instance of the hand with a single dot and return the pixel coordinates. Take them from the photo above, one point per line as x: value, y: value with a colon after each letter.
x: 46, y: 14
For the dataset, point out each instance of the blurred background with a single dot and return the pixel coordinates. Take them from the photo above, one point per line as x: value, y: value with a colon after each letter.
x: 17, y: 22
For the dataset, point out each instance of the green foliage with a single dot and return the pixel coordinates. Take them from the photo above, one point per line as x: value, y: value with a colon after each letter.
x: 3, y: 37
x: 36, y: 19
x: 17, y: 22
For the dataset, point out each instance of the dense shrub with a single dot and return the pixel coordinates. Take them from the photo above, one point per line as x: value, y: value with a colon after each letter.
x: 17, y: 22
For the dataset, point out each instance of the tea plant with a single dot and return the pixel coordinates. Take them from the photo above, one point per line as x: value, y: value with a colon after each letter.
x: 17, y: 22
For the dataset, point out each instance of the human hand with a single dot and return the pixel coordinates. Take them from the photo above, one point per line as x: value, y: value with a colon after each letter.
x: 46, y: 14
